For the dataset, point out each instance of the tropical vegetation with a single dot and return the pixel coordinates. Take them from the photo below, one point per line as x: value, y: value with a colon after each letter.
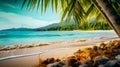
x: 69, y: 27
x: 82, y: 11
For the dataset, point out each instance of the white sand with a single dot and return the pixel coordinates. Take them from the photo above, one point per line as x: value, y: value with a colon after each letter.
x: 28, y: 57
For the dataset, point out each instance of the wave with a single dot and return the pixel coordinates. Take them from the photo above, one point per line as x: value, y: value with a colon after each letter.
x: 3, y: 35
x: 22, y: 36
x: 32, y: 54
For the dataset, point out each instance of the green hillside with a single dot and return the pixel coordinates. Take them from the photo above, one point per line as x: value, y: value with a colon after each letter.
x: 75, y: 26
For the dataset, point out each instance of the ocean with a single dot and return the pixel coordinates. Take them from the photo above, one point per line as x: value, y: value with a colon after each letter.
x: 33, y: 37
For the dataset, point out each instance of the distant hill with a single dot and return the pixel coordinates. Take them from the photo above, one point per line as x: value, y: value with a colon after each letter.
x: 74, y: 26
x: 65, y: 27
x: 19, y: 29
x: 55, y: 26
x: 49, y: 26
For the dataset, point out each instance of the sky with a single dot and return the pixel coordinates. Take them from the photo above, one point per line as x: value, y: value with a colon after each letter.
x: 12, y: 16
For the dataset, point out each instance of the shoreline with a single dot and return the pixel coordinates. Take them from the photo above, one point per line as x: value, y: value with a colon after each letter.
x: 36, y: 48
x: 30, y: 45
x: 81, y: 31
x: 38, y: 38
x: 22, y: 46
x: 29, y: 57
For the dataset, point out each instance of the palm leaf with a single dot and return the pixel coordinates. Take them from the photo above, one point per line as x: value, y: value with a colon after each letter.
x: 79, y: 10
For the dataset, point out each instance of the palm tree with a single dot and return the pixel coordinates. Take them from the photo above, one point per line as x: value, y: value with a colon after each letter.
x: 82, y: 10
x: 109, y: 13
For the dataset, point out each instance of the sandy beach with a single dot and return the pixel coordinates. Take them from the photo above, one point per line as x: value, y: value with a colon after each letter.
x: 59, y: 33
x: 29, y: 56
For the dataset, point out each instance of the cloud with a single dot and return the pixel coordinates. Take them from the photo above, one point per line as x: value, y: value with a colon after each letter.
x: 23, y: 21
x: 6, y: 5
x: 10, y: 5
x: 5, y: 25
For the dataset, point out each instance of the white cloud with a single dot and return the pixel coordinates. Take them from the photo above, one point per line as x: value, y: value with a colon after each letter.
x: 24, y: 21
x: 5, y: 25
x: 9, y: 5
x: 6, y: 5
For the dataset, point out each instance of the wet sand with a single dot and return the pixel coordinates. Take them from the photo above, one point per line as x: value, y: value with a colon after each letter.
x: 29, y: 57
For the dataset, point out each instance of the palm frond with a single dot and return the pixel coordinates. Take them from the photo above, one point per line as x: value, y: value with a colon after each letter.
x: 80, y: 11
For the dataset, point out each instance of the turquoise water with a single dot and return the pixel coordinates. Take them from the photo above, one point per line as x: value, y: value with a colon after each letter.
x: 28, y: 37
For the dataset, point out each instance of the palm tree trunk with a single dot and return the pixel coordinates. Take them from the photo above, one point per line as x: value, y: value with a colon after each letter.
x: 110, y: 14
